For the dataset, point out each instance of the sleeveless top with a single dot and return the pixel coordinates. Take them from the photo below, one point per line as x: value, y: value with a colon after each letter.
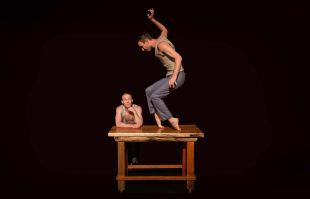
x: 125, y: 119
x: 166, y: 60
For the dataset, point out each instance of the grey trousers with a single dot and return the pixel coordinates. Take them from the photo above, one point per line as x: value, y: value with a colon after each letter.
x: 159, y: 90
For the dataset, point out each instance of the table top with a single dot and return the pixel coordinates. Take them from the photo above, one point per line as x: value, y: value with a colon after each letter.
x: 186, y: 131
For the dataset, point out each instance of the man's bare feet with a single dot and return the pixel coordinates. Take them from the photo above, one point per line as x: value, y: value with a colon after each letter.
x: 158, y: 121
x: 174, y: 123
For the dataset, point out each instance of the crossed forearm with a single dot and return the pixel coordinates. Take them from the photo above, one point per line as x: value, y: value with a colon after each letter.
x: 138, y: 118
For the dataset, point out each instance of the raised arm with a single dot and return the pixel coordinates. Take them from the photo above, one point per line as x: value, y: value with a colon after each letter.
x: 162, y: 28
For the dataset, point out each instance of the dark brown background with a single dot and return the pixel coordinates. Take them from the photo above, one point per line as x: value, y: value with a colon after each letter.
x: 67, y: 63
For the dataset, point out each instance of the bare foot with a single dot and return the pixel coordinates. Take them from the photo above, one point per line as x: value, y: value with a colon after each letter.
x: 175, y: 123
x: 158, y: 121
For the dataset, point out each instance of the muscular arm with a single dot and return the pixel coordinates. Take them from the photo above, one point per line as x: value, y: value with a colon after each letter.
x: 167, y: 49
x: 160, y: 26
x: 137, y: 111
x: 118, y: 120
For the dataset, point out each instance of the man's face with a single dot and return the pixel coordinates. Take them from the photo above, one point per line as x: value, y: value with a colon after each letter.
x: 145, y: 46
x: 127, y: 100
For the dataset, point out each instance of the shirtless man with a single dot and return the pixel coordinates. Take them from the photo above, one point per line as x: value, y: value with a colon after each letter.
x: 129, y: 115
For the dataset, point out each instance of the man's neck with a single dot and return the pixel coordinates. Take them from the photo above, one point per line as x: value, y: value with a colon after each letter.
x: 153, y: 42
x: 128, y: 107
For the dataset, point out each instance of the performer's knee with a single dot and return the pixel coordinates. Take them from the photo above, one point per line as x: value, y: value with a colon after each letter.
x: 148, y: 91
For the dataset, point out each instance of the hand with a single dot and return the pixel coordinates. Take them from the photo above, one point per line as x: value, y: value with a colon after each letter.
x: 131, y: 109
x: 172, y: 82
x: 150, y: 13
x: 135, y: 126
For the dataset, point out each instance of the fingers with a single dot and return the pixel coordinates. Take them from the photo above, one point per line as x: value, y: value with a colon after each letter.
x: 172, y: 85
x: 150, y: 11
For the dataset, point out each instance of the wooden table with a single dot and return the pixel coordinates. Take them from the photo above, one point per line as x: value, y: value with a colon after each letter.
x: 150, y: 133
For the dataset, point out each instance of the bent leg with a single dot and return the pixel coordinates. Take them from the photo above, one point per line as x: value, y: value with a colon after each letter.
x: 155, y: 95
x: 153, y: 89
x: 161, y: 91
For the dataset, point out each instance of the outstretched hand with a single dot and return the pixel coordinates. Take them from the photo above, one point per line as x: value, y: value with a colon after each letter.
x: 150, y: 13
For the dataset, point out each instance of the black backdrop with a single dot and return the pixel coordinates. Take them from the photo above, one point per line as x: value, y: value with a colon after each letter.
x: 67, y: 63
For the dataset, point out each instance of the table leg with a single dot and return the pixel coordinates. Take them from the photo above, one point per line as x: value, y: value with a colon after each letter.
x: 190, y: 165
x: 184, y: 154
x: 121, y: 164
x: 126, y: 158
